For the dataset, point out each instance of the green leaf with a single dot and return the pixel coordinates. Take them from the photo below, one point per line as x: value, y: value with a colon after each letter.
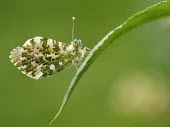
x: 153, y: 13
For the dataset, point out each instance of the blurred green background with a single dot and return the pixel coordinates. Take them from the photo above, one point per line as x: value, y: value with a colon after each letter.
x: 126, y: 86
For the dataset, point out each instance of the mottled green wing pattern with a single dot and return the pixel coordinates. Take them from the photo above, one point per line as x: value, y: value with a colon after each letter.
x: 39, y: 57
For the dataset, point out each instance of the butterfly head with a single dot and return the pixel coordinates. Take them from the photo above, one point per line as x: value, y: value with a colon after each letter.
x: 77, y: 44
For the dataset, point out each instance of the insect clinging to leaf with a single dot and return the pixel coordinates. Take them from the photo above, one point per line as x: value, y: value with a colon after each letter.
x: 42, y: 57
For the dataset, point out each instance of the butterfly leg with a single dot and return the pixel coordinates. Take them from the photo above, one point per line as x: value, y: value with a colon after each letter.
x: 76, y: 67
x: 86, y: 50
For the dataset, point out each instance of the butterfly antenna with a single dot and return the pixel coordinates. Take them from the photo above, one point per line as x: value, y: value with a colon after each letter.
x: 73, y: 19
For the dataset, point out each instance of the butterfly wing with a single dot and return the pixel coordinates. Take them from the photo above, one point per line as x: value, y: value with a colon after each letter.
x: 37, y: 57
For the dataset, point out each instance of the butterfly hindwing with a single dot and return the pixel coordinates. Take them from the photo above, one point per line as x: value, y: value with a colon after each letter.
x: 37, y: 57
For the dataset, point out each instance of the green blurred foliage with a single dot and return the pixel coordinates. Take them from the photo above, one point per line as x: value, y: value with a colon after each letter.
x: 30, y: 103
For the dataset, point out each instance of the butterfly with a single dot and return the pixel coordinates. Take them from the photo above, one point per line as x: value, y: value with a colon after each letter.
x: 42, y: 57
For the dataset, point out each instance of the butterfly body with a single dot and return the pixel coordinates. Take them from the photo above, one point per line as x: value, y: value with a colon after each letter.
x: 42, y: 57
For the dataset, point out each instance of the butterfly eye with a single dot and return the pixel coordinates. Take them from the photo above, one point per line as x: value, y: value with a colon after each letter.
x: 79, y: 43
